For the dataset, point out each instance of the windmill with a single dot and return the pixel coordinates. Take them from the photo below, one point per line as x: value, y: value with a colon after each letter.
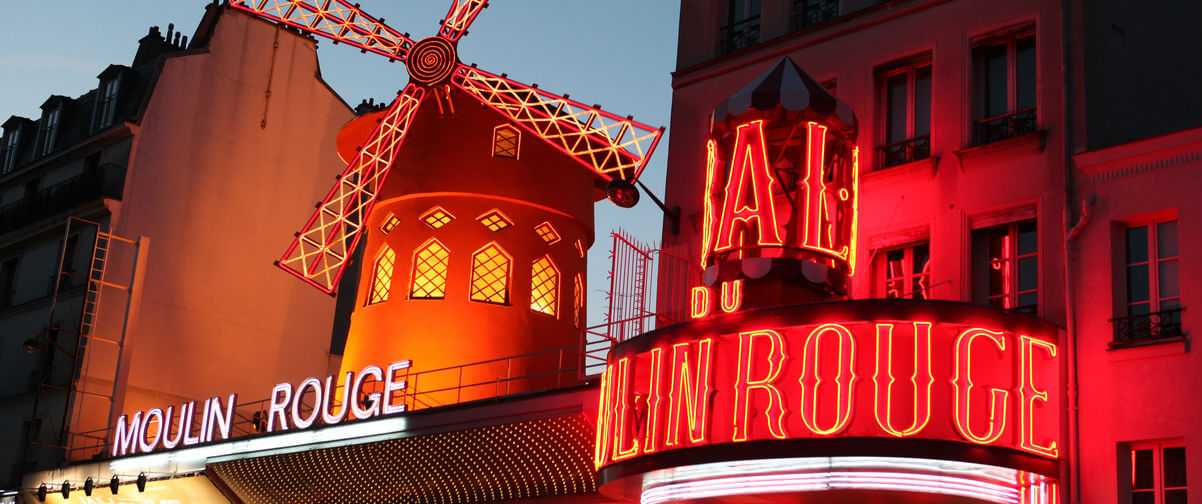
x: 474, y: 248
x: 610, y: 145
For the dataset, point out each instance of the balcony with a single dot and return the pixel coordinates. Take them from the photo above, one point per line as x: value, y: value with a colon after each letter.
x: 739, y: 35
x: 105, y: 181
x: 807, y: 13
x: 1146, y: 328
x: 1005, y: 126
x: 905, y: 151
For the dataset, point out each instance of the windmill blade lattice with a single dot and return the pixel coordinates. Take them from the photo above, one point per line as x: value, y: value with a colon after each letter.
x: 320, y: 251
x: 333, y: 19
x: 609, y: 145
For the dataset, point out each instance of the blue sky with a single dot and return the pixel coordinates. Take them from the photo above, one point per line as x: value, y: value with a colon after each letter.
x: 617, y: 53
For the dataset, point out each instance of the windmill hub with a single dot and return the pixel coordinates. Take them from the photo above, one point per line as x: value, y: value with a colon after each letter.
x: 432, y: 61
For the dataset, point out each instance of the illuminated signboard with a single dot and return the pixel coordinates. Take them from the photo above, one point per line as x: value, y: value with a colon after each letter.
x: 371, y: 392
x: 781, y: 176
x: 863, y: 369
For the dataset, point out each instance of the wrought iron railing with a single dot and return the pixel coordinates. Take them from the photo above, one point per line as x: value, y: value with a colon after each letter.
x: 739, y: 35
x: 106, y: 181
x: 905, y: 151
x: 1147, y: 327
x: 1005, y: 126
x: 807, y: 13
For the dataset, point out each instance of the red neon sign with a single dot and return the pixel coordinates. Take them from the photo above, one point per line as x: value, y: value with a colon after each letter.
x: 990, y: 383
x: 749, y: 216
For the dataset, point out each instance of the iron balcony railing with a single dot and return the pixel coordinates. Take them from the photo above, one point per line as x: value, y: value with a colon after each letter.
x: 1005, y: 126
x: 739, y: 35
x: 106, y: 181
x: 1147, y: 327
x: 807, y: 13
x: 905, y: 151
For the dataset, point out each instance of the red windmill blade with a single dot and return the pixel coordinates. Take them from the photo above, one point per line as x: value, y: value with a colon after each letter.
x: 610, y: 145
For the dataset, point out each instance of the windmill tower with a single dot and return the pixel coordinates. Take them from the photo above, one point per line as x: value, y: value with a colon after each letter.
x: 475, y: 246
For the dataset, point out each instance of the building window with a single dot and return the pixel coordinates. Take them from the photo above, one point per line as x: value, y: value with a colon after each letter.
x: 506, y: 140
x: 1005, y: 265
x: 381, y: 279
x: 1005, y: 88
x: 436, y: 217
x: 49, y: 130
x: 8, y: 157
x: 906, y: 97
x: 904, y: 272
x: 494, y: 220
x: 740, y: 26
x: 807, y: 13
x: 547, y: 232
x: 578, y: 300
x: 391, y: 221
x: 544, y: 286
x: 491, y: 271
x: 106, y: 107
x: 1153, y: 289
x: 431, y: 260
x: 1158, y: 474
x: 8, y: 281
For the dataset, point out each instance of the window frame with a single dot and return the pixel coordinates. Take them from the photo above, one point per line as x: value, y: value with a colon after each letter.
x: 106, y: 102
x: 9, y: 145
x: 880, y: 271
x: 1159, y: 486
x: 1153, y: 261
x: 749, y: 26
x: 1010, y: 291
x: 49, y: 129
x: 806, y: 16
x: 1010, y: 39
x: 908, y: 67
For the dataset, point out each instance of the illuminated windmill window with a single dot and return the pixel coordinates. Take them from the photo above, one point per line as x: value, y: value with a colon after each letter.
x: 547, y: 232
x: 430, y: 262
x: 491, y: 267
x: 544, y: 286
x: 505, y: 141
x: 494, y: 220
x: 578, y: 303
x: 381, y: 282
x: 389, y: 223
x: 437, y: 217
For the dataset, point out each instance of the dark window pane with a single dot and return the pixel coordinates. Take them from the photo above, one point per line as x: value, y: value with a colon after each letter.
x: 1166, y: 239
x: 922, y: 101
x: 895, y: 122
x: 995, y: 81
x: 1169, y: 286
x: 895, y: 261
x: 921, y: 282
x: 1175, y: 497
x: 1137, y: 283
x: 1170, y: 304
x: 1141, y: 470
x: 1028, y: 273
x: 1143, y: 498
x: 1030, y: 300
x: 1137, y: 244
x: 1028, y: 238
x: 1174, y: 467
x: 922, y: 255
x: 1139, y: 308
x: 1024, y: 72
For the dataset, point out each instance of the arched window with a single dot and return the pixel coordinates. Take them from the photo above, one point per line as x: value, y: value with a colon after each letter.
x: 506, y: 140
x: 578, y: 306
x: 381, y: 279
x: 430, y: 264
x: 544, y: 286
x: 491, y: 271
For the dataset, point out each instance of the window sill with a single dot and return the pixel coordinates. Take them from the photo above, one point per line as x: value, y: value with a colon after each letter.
x: 912, y: 169
x: 1149, y: 347
x: 1030, y: 143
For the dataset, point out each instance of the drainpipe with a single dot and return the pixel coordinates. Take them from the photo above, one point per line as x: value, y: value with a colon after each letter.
x: 1070, y: 233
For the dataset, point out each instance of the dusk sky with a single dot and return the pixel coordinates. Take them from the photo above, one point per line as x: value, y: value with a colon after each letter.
x: 616, y: 53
